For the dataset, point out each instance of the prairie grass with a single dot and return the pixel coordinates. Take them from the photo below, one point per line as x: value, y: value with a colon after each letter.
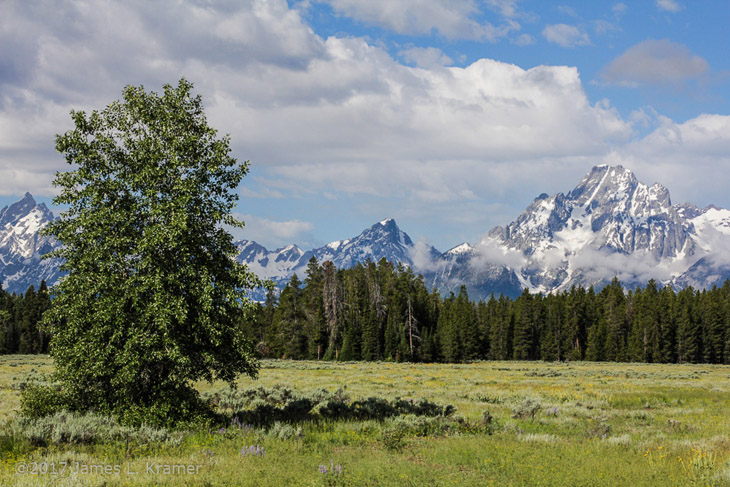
x: 516, y: 423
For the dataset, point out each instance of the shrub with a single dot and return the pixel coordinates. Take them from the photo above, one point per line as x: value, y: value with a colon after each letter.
x: 37, y: 401
x: 70, y: 428
x: 333, y: 409
x: 393, y: 439
x: 297, y: 410
x: 423, y: 407
x: 266, y: 406
x: 284, y: 431
x: 373, y: 408
x: 526, y: 409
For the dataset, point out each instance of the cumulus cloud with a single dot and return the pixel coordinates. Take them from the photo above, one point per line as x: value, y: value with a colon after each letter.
x: 423, y: 258
x: 274, y: 234
x: 335, y: 115
x: 668, y: 5
x: 425, y: 57
x: 655, y: 62
x: 691, y: 158
x: 453, y: 19
x: 566, y: 35
x: 598, y: 265
x: 71, y: 55
x: 490, y: 251
x: 524, y: 40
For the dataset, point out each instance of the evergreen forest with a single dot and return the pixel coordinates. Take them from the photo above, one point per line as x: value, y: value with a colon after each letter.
x: 20, y: 315
x: 382, y: 311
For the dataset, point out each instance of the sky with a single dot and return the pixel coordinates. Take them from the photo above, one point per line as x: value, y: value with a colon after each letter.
x: 450, y: 116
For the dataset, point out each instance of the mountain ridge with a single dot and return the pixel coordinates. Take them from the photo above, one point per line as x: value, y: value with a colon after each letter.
x: 609, y: 225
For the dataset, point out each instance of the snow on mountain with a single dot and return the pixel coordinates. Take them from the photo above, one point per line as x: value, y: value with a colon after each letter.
x: 609, y: 225
x: 21, y: 246
x: 382, y: 240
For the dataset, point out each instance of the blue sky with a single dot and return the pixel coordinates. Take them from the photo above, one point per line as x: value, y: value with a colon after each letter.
x: 449, y: 116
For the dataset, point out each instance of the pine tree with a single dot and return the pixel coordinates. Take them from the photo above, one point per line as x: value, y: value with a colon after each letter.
x: 290, y: 320
x: 313, y: 298
x: 466, y: 324
x: 525, y: 335
x: 449, y: 339
x: 333, y: 313
x: 614, y: 316
x: 713, y: 326
x: 688, y: 328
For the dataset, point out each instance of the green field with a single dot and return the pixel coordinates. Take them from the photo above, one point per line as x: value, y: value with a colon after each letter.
x: 589, y: 424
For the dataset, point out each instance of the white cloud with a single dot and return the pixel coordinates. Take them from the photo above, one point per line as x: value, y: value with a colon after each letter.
x: 507, y: 8
x: 603, y: 264
x: 668, y: 5
x: 274, y: 234
x: 423, y: 259
x: 489, y: 251
x: 619, y: 8
x: 692, y: 159
x: 425, y: 57
x: 604, y: 26
x: 569, y: 11
x: 335, y: 115
x: 314, y: 115
x: 655, y: 62
x: 566, y: 35
x: 524, y: 40
x: 453, y: 19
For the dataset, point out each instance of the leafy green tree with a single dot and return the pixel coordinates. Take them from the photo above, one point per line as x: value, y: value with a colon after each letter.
x: 153, y: 297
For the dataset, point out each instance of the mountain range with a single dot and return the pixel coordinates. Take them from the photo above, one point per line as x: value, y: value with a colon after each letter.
x: 609, y: 225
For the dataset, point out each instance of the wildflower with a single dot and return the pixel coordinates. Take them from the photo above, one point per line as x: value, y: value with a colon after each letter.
x: 334, y: 469
x: 255, y: 450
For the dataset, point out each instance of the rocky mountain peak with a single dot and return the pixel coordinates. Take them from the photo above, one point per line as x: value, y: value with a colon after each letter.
x: 387, y: 231
x: 603, y: 184
x: 22, y: 245
x: 11, y: 215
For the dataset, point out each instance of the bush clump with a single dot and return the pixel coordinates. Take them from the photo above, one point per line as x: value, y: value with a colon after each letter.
x: 84, y: 429
x: 263, y: 406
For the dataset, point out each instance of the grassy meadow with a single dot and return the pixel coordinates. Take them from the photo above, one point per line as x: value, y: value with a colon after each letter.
x: 516, y: 423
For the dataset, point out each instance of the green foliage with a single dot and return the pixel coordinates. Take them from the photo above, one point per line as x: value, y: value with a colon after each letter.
x: 20, y: 317
x: 384, y: 312
x: 39, y: 400
x: 153, y: 298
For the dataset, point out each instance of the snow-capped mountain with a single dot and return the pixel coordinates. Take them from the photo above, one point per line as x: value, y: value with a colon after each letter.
x: 21, y: 246
x: 382, y: 240
x: 609, y: 225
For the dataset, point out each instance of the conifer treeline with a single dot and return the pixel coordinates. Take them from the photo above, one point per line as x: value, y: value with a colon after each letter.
x: 19, y: 318
x: 385, y: 312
